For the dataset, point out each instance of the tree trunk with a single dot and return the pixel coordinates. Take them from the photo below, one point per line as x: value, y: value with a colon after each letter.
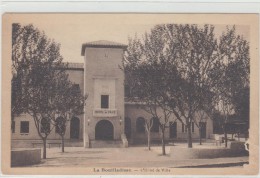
x: 225, y: 136
x: 148, y: 140
x: 44, y: 148
x: 200, y: 135
x: 163, y: 143
x: 62, y: 143
x: 189, y: 135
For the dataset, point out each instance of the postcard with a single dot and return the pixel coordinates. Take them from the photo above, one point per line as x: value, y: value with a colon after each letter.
x: 130, y: 94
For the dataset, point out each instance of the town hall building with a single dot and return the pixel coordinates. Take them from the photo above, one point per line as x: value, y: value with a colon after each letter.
x: 108, y: 117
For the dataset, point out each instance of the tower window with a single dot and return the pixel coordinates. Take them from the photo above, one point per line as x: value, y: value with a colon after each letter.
x: 104, y: 101
x: 24, y: 127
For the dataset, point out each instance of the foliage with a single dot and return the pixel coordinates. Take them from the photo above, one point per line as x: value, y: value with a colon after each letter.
x: 185, y: 69
x: 233, y: 74
x: 145, y: 68
x: 40, y: 84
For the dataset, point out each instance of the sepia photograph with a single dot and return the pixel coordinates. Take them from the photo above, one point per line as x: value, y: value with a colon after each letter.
x: 130, y: 94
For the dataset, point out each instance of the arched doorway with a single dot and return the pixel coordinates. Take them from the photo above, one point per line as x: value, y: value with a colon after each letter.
x: 104, y: 130
x: 128, y: 127
x: 74, y: 128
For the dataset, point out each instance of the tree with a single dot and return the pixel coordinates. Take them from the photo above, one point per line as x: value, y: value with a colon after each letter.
x: 193, y: 50
x: 186, y: 55
x: 147, y: 90
x: 148, y: 127
x: 69, y: 102
x: 205, y: 111
x: 38, y: 67
x: 198, y: 120
x: 241, y: 107
x: 147, y: 73
x: 18, y: 62
x: 233, y: 74
x: 185, y: 62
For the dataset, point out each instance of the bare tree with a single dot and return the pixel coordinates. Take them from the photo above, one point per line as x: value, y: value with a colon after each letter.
x: 148, y: 127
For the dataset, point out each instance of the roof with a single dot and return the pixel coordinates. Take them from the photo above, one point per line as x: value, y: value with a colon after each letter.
x: 102, y: 44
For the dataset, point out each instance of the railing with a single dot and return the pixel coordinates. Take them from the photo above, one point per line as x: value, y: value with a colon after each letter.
x: 104, y: 112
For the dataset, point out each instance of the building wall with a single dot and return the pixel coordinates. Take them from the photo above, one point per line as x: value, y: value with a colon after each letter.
x: 103, y: 75
x: 76, y: 73
x: 33, y: 133
x: 133, y: 112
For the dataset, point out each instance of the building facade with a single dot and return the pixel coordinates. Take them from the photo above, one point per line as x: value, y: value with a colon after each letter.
x: 107, y: 116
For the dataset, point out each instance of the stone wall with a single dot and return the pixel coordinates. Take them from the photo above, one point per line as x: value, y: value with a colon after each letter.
x: 23, y: 157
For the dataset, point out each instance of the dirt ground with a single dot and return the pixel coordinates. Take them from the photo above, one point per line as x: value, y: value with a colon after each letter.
x: 138, y: 156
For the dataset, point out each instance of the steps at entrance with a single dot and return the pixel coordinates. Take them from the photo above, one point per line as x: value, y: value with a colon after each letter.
x: 105, y: 143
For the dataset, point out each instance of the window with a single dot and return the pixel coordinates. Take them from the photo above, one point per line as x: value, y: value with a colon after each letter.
x: 140, y: 125
x: 45, y: 125
x: 156, y: 125
x: 24, y: 127
x: 184, y: 128
x: 104, y: 101
x: 173, y: 129
x: 13, y: 126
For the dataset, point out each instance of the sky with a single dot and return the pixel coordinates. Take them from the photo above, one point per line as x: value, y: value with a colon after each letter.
x: 72, y: 30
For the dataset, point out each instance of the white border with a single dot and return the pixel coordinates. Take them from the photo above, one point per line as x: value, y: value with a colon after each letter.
x: 154, y: 6
x: 133, y: 6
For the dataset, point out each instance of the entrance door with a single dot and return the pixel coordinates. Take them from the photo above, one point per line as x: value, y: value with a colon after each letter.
x: 104, y: 130
x: 203, y: 129
x: 74, y: 128
x: 128, y: 127
x: 173, y: 129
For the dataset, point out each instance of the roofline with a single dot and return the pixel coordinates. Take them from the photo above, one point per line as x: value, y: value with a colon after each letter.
x: 84, y: 46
